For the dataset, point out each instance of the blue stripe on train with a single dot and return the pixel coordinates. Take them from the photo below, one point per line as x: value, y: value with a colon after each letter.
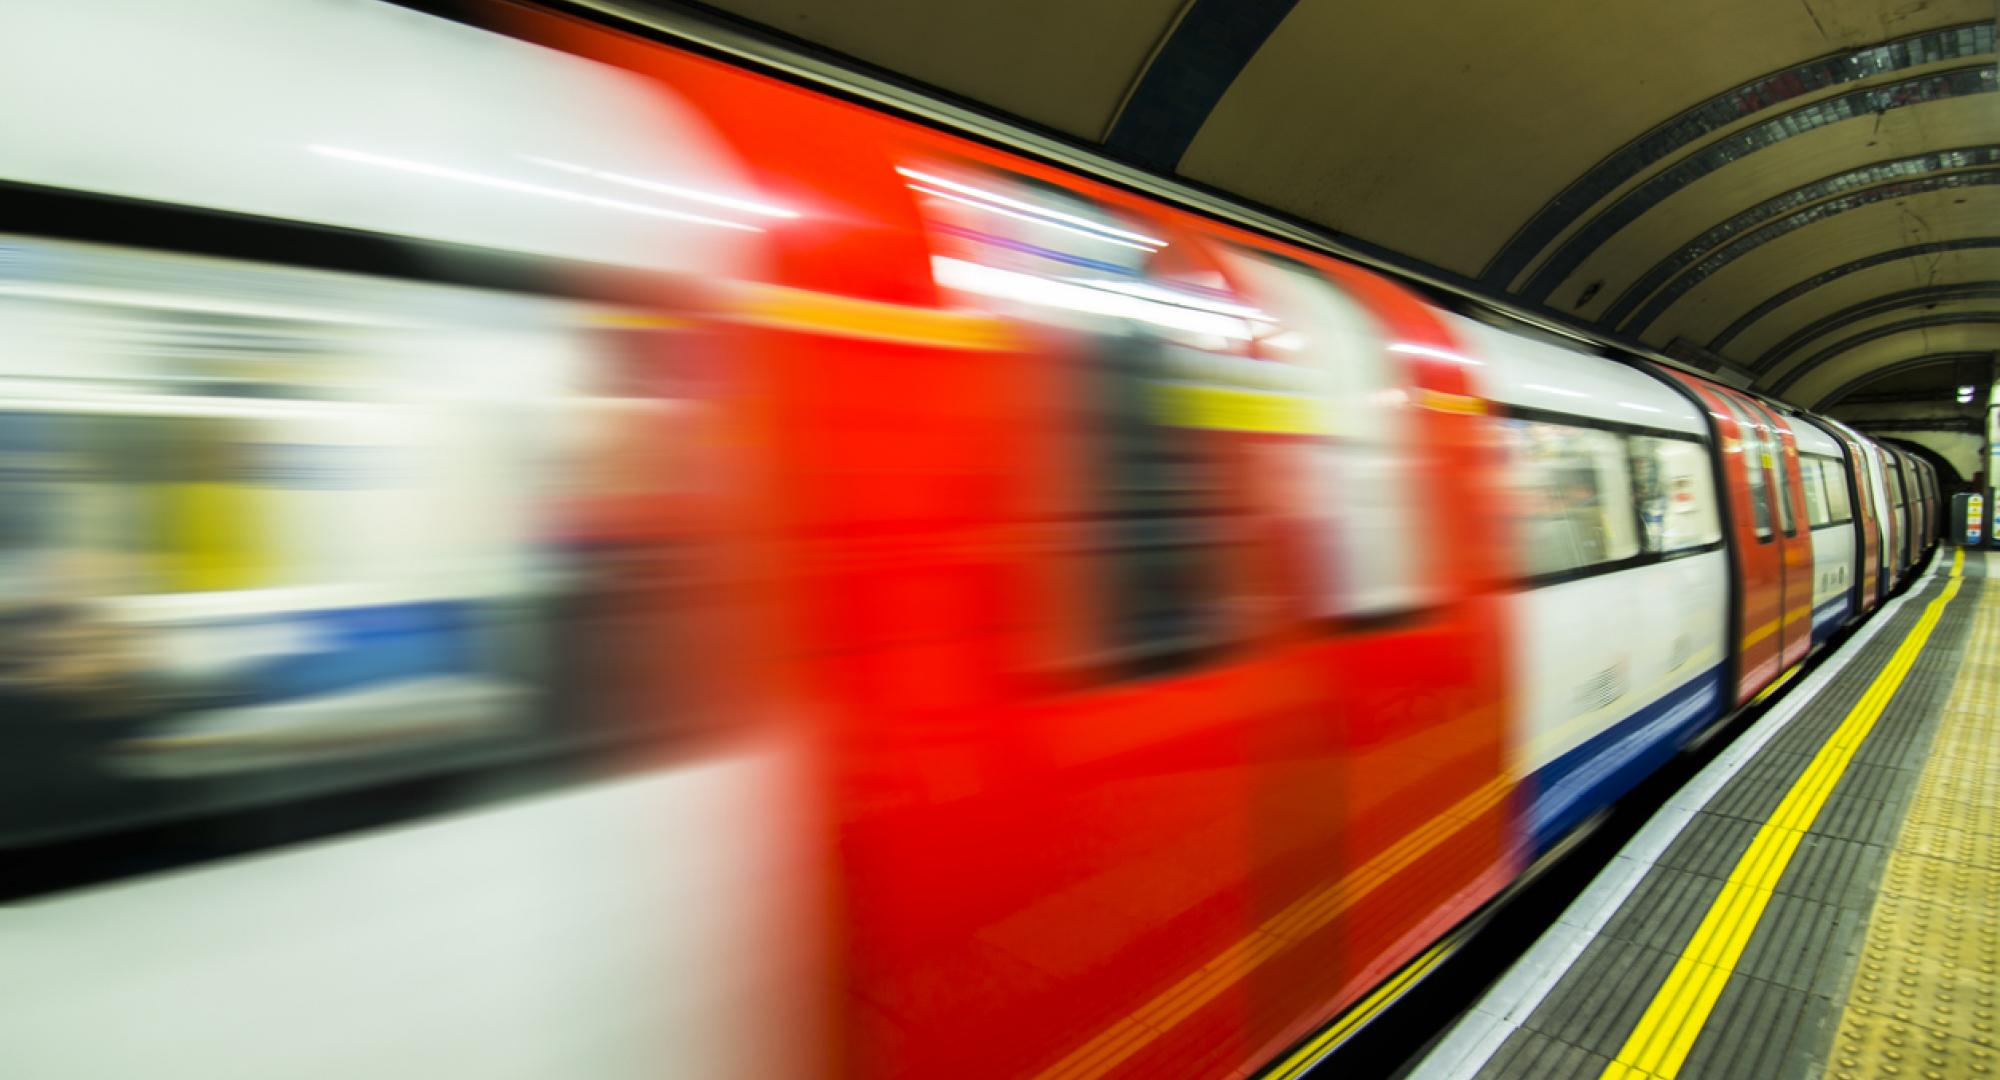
x: 1578, y: 784
x: 1827, y: 617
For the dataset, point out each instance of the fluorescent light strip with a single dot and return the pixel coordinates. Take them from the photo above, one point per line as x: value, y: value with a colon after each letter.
x: 442, y: 173
x: 115, y: 297
x: 1544, y: 388
x: 1408, y: 349
x: 1150, y: 242
x: 691, y: 194
x: 1639, y: 408
x: 1170, y: 296
x: 1069, y: 296
x: 1029, y: 218
x: 191, y: 405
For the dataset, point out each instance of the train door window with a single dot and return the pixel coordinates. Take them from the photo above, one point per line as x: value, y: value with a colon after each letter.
x: 1358, y: 455
x: 1159, y: 504
x: 1812, y: 484
x: 1839, y: 508
x: 1573, y: 497
x: 1675, y: 491
x: 1151, y: 354
x: 1752, y: 440
x: 1781, y: 474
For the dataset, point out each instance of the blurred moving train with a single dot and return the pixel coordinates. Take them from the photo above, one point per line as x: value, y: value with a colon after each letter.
x: 530, y: 550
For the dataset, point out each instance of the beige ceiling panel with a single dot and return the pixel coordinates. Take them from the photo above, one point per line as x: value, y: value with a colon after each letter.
x: 1438, y: 128
x: 1063, y: 63
x: 1719, y: 196
x: 1875, y: 355
x: 1941, y: 376
x: 1739, y: 286
x: 1849, y: 21
x: 1944, y: 268
x: 1827, y: 340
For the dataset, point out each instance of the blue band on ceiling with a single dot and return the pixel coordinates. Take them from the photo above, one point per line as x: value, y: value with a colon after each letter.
x: 1792, y: 223
x: 1866, y: 176
x: 1719, y: 112
x: 1922, y: 296
x: 1863, y: 382
x: 1881, y: 258
x: 1211, y: 45
x: 1929, y: 322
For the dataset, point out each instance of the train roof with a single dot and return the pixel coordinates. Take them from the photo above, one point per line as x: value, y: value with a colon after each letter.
x: 1530, y: 374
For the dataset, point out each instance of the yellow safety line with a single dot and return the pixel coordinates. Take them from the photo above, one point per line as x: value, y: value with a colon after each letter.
x: 1302, y: 917
x: 1660, y: 1043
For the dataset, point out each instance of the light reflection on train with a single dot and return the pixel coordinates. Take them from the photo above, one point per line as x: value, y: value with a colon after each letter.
x: 704, y: 579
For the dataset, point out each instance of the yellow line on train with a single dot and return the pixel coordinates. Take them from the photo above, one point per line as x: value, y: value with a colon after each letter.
x: 1303, y: 917
x: 1659, y: 1045
x: 1308, y: 1055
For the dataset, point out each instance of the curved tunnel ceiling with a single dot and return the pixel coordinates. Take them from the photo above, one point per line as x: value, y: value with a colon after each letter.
x: 1762, y: 185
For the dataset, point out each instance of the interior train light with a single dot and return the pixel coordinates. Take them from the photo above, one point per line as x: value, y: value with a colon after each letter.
x: 1433, y: 352
x: 691, y: 194
x: 1031, y: 219
x: 992, y: 200
x: 502, y: 183
x: 1073, y: 296
x: 1965, y: 394
x: 1145, y: 291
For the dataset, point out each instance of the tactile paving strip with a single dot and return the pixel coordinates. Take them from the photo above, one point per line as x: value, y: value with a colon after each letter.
x: 1925, y: 998
x: 1779, y: 1009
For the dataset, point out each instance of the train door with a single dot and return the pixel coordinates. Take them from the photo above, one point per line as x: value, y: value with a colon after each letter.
x: 1758, y: 559
x: 1930, y: 504
x: 1781, y: 464
x: 1395, y: 493
x: 1899, y: 508
x: 1868, y: 531
x: 1887, y: 535
x: 1054, y: 616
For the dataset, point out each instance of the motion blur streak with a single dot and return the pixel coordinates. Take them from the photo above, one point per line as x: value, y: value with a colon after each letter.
x: 544, y: 554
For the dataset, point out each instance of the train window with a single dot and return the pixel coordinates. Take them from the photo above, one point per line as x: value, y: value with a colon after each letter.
x: 1673, y: 486
x: 1160, y: 504
x: 1784, y: 486
x: 1839, y: 508
x: 274, y: 534
x: 1751, y: 437
x: 1573, y: 497
x: 1781, y: 475
x: 1156, y: 359
x: 1835, y: 491
x: 1813, y: 486
x: 1358, y: 454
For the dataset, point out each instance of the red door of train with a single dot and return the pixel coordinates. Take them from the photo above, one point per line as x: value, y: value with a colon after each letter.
x: 1781, y: 466
x: 1759, y: 569
x: 1868, y: 539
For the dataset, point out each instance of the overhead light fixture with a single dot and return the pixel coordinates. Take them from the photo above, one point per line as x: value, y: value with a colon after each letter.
x: 1965, y: 394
